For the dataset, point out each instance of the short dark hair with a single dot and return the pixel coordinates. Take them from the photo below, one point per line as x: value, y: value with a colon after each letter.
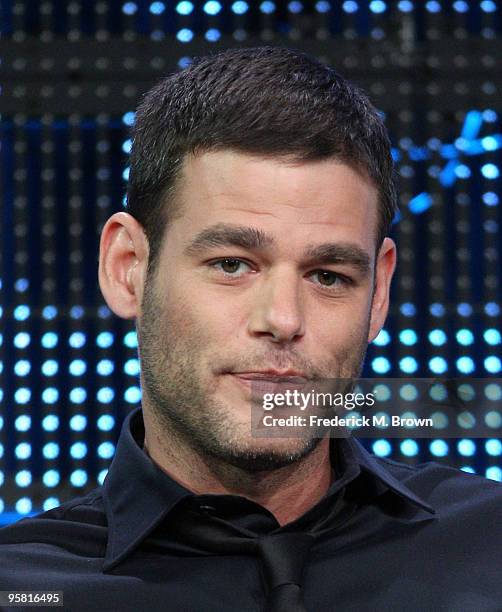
x: 269, y: 101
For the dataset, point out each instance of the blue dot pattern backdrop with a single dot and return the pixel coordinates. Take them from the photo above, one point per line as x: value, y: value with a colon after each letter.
x: 71, y: 76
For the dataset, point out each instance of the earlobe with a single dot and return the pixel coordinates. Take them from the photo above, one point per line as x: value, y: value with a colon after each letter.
x: 123, y: 257
x: 384, y: 270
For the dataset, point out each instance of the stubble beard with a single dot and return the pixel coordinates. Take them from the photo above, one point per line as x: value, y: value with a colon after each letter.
x: 182, y: 403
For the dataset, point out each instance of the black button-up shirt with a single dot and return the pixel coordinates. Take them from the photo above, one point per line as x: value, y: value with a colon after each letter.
x: 389, y: 537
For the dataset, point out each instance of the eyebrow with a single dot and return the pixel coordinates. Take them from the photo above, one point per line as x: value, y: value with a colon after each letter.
x: 340, y: 253
x: 225, y: 234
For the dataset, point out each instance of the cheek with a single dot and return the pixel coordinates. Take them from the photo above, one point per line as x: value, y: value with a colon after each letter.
x: 198, y: 319
x: 341, y: 326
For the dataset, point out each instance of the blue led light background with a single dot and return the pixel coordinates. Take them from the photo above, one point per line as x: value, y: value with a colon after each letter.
x: 71, y: 75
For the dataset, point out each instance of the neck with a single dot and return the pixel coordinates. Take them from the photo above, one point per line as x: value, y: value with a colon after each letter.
x: 287, y: 492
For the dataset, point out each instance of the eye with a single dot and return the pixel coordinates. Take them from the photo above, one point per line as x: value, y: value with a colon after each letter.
x: 231, y: 266
x: 329, y: 279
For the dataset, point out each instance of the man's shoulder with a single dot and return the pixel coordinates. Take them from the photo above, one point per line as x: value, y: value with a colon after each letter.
x: 450, y: 491
x: 72, y: 517
x: 54, y: 547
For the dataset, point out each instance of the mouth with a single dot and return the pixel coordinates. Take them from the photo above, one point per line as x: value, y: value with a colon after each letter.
x: 271, y: 376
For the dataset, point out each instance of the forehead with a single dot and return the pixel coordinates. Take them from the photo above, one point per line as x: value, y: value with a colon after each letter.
x: 296, y: 202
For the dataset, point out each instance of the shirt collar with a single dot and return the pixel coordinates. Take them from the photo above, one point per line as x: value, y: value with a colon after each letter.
x: 138, y: 495
x: 371, y: 465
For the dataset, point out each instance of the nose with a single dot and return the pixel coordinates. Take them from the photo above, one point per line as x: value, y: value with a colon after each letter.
x: 278, y: 311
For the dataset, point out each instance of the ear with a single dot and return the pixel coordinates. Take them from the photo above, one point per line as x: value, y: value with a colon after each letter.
x: 123, y: 259
x: 384, y: 269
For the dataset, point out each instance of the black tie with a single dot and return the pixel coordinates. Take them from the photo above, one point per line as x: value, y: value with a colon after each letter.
x: 283, y: 557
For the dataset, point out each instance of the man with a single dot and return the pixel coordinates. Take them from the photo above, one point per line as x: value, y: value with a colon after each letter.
x: 254, y: 250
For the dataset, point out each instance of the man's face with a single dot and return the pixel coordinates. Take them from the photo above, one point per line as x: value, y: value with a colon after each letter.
x: 268, y: 271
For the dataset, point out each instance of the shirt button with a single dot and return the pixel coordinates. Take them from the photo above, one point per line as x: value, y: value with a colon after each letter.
x: 207, y: 509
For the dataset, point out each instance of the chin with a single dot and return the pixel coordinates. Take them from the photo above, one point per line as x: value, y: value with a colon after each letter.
x: 265, y: 455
